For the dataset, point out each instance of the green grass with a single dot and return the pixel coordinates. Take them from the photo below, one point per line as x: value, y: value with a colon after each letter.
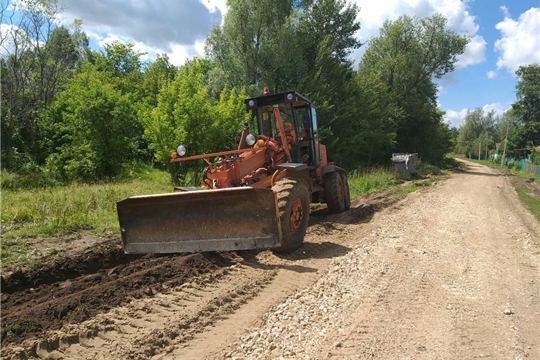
x: 61, y: 210
x: 531, y: 203
x: 519, y: 173
x: 381, y: 178
x: 490, y: 164
x: 370, y: 181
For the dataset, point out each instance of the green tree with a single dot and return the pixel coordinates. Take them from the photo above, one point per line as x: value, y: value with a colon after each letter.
x: 123, y: 63
x: 527, y: 106
x: 363, y: 136
x: 479, y: 130
x: 255, y: 47
x: 156, y: 75
x: 407, y: 56
x: 327, y: 35
x: 38, y: 60
x: 90, y: 128
x: 186, y: 114
x: 292, y: 45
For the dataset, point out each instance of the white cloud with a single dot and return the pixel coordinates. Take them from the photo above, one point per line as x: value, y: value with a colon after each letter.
x: 374, y: 13
x: 440, y: 90
x: 457, y: 118
x: 505, y: 11
x: 491, y: 74
x: 497, y: 107
x: 520, y: 41
x: 13, y: 40
x: 8, y: 35
x: 178, y: 28
x: 214, y: 5
x: 153, y: 26
x: 474, y: 52
x: 178, y: 54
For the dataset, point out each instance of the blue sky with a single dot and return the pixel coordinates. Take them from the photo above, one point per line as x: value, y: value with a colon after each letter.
x: 474, y: 86
x: 505, y: 34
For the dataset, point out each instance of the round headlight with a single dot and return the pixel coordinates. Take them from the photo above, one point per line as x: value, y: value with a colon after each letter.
x: 250, y: 139
x: 289, y: 96
x: 181, y: 150
x: 251, y: 103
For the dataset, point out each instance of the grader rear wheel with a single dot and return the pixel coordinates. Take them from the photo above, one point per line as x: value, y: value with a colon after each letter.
x: 293, y: 202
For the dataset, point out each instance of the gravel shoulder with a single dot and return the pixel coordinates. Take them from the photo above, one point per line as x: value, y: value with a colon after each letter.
x: 450, y: 272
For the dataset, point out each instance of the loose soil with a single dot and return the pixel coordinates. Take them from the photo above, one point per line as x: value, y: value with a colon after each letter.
x: 451, y: 271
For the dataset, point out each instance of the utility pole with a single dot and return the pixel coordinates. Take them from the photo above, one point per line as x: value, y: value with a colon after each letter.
x: 505, y: 141
x: 479, y: 148
x: 486, y: 149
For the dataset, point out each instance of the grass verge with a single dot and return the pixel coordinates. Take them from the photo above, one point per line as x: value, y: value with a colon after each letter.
x: 62, y: 210
x: 531, y: 203
x: 379, y: 179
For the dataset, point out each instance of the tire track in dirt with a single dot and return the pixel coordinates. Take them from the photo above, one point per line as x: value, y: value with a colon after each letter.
x: 31, y: 312
x: 153, y: 325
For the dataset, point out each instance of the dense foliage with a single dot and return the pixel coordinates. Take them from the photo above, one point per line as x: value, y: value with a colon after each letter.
x: 78, y: 114
x: 527, y: 106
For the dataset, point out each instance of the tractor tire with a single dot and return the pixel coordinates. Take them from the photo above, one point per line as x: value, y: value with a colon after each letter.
x: 334, y: 193
x: 346, y: 191
x: 293, y: 200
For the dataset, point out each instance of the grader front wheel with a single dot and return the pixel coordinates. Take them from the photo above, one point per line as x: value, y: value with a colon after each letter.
x: 334, y: 193
x: 293, y: 202
x: 346, y: 192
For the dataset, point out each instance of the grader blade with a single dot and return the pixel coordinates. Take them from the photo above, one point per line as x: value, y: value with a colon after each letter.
x: 206, y: 220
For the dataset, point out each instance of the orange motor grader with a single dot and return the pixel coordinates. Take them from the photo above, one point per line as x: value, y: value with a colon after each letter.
x: 254, y: 197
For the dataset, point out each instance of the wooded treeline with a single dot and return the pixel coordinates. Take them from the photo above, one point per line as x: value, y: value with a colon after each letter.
x: 73, y: 113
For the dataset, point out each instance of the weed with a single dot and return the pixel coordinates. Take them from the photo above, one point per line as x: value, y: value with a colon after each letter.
x: 370, y: 181
x: 20, y: 326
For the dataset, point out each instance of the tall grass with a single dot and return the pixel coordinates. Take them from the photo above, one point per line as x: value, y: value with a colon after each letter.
x: 57, y: 210
x: 371, y: 180
x: 60, y: 210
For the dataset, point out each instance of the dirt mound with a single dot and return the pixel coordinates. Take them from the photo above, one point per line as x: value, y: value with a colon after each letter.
x: 59, y: 268
x: 73, y: 290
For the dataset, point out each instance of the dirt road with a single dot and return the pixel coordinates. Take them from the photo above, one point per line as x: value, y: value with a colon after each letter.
x: 450, y: 272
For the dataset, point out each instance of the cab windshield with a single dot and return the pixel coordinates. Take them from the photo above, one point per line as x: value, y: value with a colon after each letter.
x: 267, y: 119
